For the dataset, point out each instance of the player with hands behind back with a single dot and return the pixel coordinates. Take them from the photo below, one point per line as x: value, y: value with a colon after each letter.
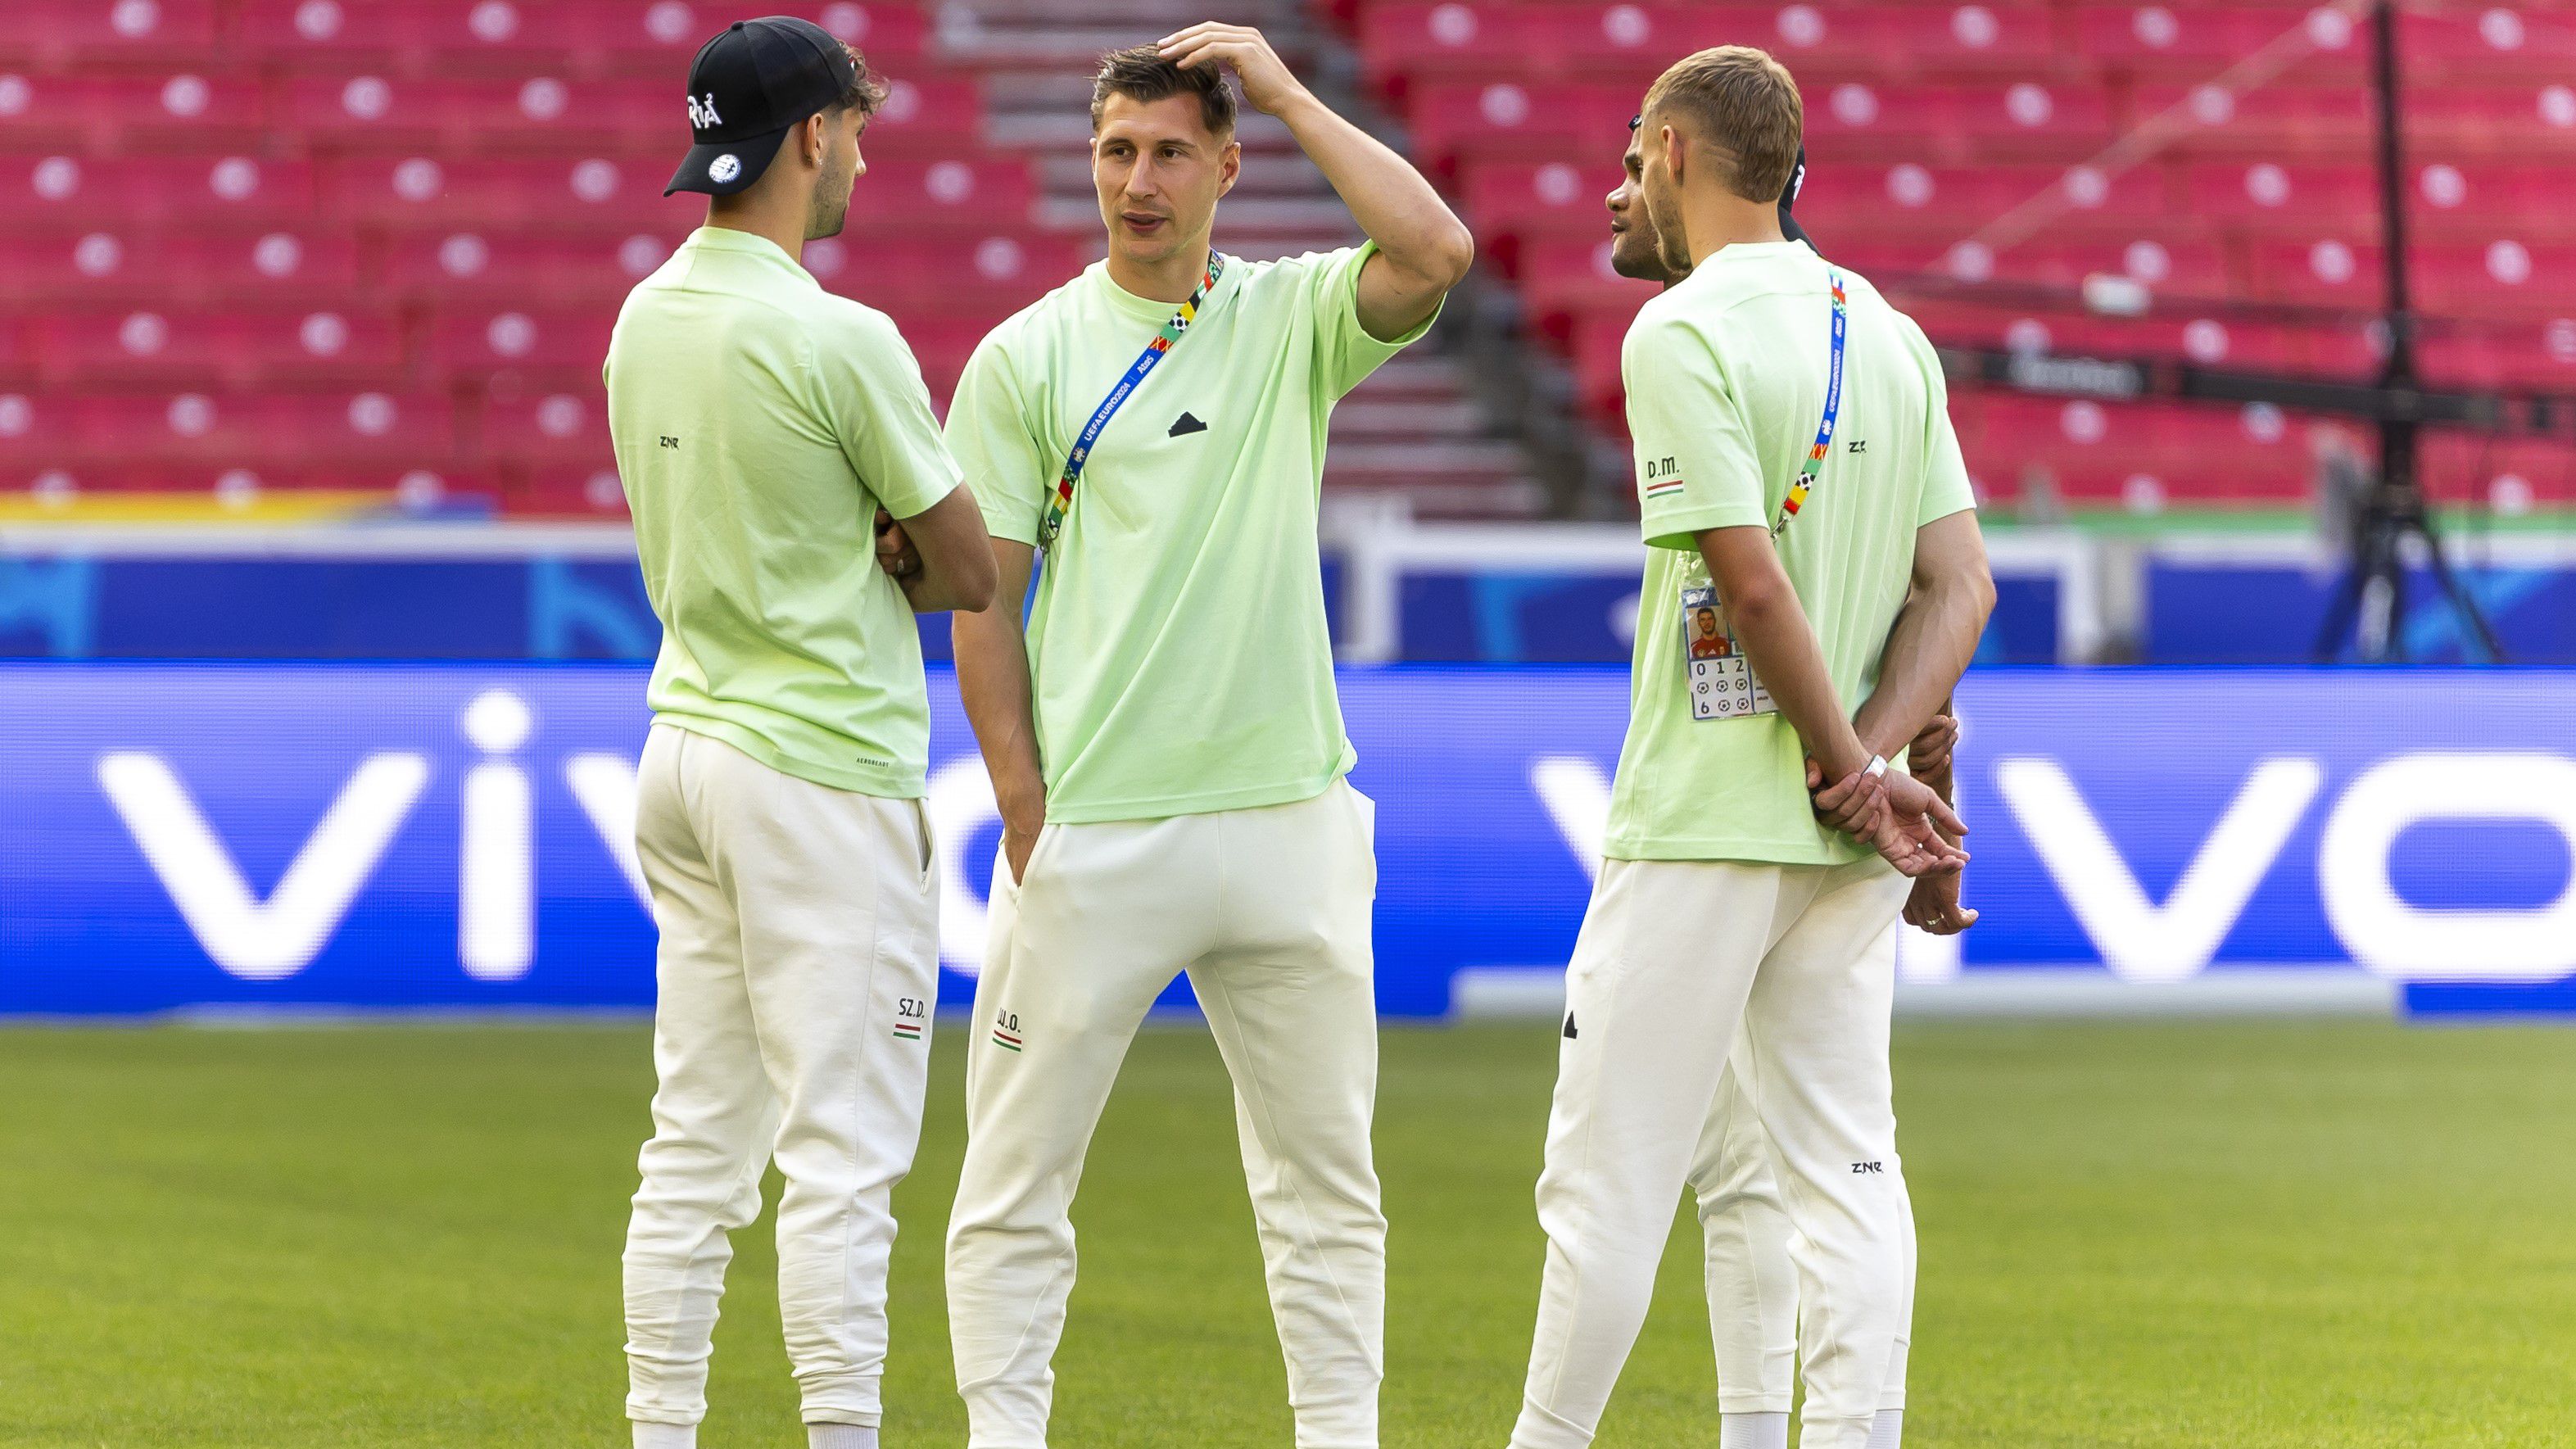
x: 1797, y: 471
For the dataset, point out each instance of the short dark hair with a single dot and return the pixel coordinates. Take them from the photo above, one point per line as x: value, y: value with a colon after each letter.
x: 1141, y: 74
x: 866, y: 91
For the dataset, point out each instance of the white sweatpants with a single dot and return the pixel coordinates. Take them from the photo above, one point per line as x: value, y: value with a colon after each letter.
x: 1677, y: 962
x: 1752, y: 1285
x: 1268, y: 911
x: 797, y: 972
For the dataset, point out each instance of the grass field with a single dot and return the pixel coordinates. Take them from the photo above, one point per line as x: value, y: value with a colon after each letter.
x: 2249, y: 1235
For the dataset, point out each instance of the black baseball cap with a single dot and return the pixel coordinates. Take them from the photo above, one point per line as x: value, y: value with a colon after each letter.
x: 746, y: 88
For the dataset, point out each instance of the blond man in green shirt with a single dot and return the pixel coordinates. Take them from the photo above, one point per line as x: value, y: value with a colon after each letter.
x: 762, y: 427
x: 1752, y: 1286
x: 1796, y: 471
x: 1164, y: 739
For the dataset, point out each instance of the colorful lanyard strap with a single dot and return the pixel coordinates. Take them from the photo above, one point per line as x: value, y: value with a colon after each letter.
x: 1806, y: 483
x: 1061, y: 500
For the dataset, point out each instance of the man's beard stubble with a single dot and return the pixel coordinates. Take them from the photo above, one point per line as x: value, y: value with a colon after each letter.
x: 830, y: 210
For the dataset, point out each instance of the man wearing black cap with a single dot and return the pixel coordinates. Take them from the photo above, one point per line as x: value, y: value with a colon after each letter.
x: 766, y: 431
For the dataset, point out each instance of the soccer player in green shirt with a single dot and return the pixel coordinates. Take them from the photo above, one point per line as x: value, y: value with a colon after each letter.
x: 1729, y: 910
x: 1752, y: 1286
x: 761, y: 425
x: 1164, y: 739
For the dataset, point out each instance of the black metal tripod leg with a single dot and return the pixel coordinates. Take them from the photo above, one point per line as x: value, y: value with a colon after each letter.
x: 2463, y: 602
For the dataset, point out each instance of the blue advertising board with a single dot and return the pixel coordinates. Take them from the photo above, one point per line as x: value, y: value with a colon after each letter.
x: 179, y: 836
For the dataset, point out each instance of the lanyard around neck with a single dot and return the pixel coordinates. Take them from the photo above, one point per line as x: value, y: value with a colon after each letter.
x: 1807, y: 471
x: 1060, y: 502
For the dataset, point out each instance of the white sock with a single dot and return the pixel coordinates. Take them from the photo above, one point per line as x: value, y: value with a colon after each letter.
x: 665, y: 1436
x: 840, y: 1436
x: 1887, y: 1431
x: 1755, y: 1431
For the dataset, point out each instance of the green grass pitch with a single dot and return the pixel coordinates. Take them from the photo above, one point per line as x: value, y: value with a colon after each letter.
x: 2241, y: 1234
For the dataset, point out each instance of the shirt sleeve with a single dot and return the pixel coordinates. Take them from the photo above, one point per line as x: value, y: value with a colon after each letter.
x: 1696, y: 468
x: 879, y: 408
x: 988, y: 429
x: 1946, y: 487
x: 1345, y: 353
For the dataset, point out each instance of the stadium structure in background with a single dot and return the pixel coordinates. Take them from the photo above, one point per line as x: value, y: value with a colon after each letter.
x: 304, y: 268
x: 2390, y: 512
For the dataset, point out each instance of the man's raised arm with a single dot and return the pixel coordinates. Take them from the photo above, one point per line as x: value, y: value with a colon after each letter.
x: 1423, y: 248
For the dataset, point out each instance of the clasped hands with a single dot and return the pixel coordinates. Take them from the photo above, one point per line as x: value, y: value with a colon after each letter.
x: 1895, y: 814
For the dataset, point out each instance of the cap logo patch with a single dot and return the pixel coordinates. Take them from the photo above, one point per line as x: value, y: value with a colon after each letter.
x: 702, y: 112
x: 724, y: 168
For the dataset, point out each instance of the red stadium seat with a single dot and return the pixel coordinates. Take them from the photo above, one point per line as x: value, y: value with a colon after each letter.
x: 566, y: 428
x: 591, y: 193
x: 2484, y: 43
x: 265, y: 268
x: 2473, y: 202
x: 2141, y: 455
x: 1505, y: 118
x: 61, y: 191
x: 471, y: 268
x: 560, y: 348
x: 2507, y: 475
x: 924, y: 112
x: 2270, y: 196
x: 2032, y: 117
x: 989, y: 277
x: 2507, y: 122
x: 566, y: 492
x: 1560, y: 279
x: 2325, y: 272
x: 624, y: 194
x: 61, y: 33
x: 2505, y: 278
x: 2508, y: 354
x: 1633, y: 43
x: 158, y: 112
x: 1866, y: 120
x: 2193, y: 40
x: 1473, y: 37
x: 232, y: 350
x: 471, y: 119
x: 324, y: 35
x: 643, y: 38
x: 1868, y: 201
x: 234, y: 429
x: 1971, y: 39
x: 1554, y: 198
x: 658, y: 38
x: 927, y: 114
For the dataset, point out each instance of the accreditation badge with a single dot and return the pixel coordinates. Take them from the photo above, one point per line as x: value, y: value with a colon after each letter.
x: 1720, y: 680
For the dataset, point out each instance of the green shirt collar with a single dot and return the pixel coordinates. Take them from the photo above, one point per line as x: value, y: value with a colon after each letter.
x: 743, y: 243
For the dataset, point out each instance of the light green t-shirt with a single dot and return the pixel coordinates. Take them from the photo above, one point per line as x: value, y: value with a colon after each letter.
x: 1726, y: 383
x: 759, y: 422
x: 1180, y: 656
